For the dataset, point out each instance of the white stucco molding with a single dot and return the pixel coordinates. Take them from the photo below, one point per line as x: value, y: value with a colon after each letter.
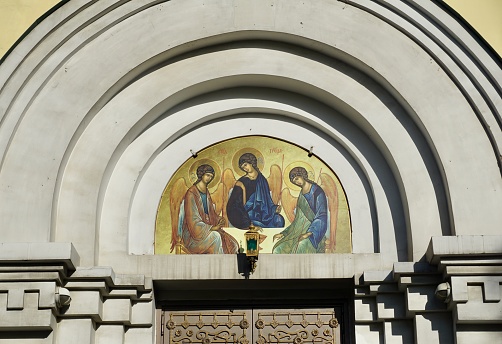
x: 467, y: 62
x: 469, y: 271
x: 402, y: 298
x: 146, y: 100
x: 40, y: 253
x: 472, y: 266
x: 70, y: 68
x: 478, y: 246
x: 63, y: 157
x: 155, y: 155
x: 32, y: 277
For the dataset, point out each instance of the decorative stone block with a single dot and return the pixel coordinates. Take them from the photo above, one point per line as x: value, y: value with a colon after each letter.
x: 85, y: 303
x: 139, y: 335
x: 398, y: 332
x: 477, y: 311
x: 76, y: 331
x: 102, y: 304
x: 390, y: 306
x: 27, y: 306
x: 436, y: 328
x: 489, y: 284
x: 423, y: 298
x: 117, y: 310
x: 142, y: 313
x: 369, y: 333
x: 365, y: 309
x: 478, y: 335
x: 109, y: 334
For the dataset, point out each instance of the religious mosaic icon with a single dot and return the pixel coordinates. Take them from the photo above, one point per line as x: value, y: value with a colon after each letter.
x: 294, y: 199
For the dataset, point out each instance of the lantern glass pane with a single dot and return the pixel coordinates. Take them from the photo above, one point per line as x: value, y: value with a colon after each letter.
x: 252, y: 244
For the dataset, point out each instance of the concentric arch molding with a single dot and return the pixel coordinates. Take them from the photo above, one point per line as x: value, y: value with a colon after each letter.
x: 105, y: 73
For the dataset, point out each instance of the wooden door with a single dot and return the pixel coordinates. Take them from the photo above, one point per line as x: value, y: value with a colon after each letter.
x: 260, y: 326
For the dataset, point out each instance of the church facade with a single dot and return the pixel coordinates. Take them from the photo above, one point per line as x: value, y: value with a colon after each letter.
x: 391, y: 108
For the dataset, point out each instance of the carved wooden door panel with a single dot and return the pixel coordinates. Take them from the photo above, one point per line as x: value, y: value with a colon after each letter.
x: 264, y: 326
x: 207, y: 327
x: 296, y: 326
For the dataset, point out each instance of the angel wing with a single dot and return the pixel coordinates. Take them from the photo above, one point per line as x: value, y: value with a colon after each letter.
x: 288, y: 202
x: 228, y: 181
x: 176, y: 195
x: 328, y: 185
x: 275, y: 183
x: 218, y: 198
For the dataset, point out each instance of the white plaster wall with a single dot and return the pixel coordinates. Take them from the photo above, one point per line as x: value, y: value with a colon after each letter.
x: 103, y: 100
x: 97, y: 100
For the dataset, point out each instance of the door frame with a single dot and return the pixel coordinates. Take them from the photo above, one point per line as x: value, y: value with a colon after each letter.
x: 176, y: 295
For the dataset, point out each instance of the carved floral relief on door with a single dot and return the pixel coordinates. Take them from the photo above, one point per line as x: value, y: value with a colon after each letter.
x: 295, y: 326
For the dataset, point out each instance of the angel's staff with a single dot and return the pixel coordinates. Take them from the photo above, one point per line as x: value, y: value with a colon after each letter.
x: 282, y: 164
x: 282, y: 181
x: 224, y: 206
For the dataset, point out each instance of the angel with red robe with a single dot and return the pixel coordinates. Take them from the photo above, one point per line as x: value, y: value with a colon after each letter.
x: 200, y: 226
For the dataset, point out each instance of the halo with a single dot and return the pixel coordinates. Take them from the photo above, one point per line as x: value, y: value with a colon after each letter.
x: 238, y: 154
x: 192, y: 171
x: 285, y: 175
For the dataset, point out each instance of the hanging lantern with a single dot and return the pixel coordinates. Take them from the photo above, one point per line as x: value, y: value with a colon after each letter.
x: 252, y: 246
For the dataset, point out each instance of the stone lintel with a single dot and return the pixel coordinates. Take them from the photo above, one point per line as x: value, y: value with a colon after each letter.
x: 40, y: 253
x: 474, y: 246
x: 27, y: 320
x: 30, y: 276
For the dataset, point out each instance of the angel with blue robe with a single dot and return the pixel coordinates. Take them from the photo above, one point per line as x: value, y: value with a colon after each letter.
x: 306, y: 234
x: 250, y: 201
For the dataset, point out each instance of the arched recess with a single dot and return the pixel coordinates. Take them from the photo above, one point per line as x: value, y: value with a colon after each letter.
x: 130, y: 84
x: 154, y: 84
